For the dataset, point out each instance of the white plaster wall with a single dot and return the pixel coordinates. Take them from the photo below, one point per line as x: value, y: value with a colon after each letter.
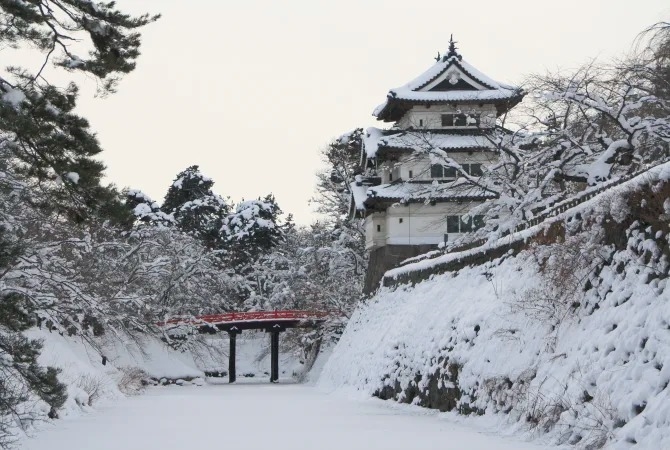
x: 421, y: 224
x: 386, y: 168
x: 374, y: 238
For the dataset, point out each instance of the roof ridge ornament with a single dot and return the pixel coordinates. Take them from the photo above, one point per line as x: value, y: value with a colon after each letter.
x: 452, y: 50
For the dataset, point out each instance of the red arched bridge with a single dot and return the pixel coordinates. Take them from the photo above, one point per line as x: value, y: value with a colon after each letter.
x: 273, y: 322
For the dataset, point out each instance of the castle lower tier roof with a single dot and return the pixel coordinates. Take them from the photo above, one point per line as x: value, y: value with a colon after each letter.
x: 407, y: 192
x: 377, y: 140
x: 397, y: 105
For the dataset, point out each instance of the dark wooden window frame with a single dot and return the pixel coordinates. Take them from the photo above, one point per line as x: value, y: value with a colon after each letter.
x: 460, y: 120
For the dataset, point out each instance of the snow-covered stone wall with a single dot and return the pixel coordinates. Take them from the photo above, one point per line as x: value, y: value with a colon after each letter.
x: 569, y: 337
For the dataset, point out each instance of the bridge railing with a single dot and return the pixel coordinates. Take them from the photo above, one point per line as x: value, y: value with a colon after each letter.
x: 247, y: 317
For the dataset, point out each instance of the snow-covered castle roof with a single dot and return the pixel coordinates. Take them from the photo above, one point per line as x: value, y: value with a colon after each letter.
x: 450, y: 80
x: 377, y: 140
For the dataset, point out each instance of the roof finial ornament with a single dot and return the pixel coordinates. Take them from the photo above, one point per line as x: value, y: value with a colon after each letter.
x: 452, y: 49
x: 438, y: 57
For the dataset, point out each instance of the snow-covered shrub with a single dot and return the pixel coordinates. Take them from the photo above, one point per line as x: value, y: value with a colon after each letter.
x: 565, y: 263
x: 133, y: 380
x: 94, y: 387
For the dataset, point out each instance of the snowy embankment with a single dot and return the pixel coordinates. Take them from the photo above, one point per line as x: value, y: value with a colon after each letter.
x: 570, y: 337
x: 128, y: 364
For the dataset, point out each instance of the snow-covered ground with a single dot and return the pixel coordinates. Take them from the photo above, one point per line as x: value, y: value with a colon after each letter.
x: 261, y: 416
x: 92, y: 385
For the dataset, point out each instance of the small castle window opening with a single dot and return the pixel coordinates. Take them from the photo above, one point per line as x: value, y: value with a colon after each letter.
x: 458, y: 224
x: 460, y: 120
x: 440, y: 171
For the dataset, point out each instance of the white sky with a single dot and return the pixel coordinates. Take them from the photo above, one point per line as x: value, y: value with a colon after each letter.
x: 250, y: 90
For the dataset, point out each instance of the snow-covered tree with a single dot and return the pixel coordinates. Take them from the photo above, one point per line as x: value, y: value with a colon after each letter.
x: 342, y: 163
x: 195, y: 208
x: 252, y: 230
x: 108, y: 35
x: 51, y: 195
x: 47, y: 142
x: 333, y: 251
x: 146, y: 210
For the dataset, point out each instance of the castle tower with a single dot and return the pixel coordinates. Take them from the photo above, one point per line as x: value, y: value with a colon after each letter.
x: 420, y: 175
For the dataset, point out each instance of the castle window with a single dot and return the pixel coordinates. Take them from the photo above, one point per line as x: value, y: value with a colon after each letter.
x: 437, y: 171
x: 379, y: 228
x: 453, y: 224
x: 466, y: 224
x: 460, y: 120
x: 458, y: 224
x: 400, y: 220
x: 410, y: 174
x: 475, y: 170
x: 420, y: 122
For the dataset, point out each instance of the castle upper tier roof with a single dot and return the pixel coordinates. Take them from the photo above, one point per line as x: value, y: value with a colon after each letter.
x: 451, y: 80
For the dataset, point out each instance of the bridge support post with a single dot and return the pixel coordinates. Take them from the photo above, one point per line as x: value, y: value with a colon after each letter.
x: 274, y: 356
x: 232, y: 337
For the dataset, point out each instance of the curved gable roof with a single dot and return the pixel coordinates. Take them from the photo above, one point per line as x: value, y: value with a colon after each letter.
x: 450, y: 79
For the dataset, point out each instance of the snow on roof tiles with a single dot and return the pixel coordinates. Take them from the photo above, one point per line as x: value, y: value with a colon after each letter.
x: 441, y: 66
x: 422, y: 140
x: 359, y: 193
x: 489, y: 89
x: 459, y: 189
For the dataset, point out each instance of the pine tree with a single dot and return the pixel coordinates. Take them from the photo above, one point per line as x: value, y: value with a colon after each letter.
x: 195, y: 208
x: 50, y: 27
x: 253, y: 229
x: 51, y: 195
x: 53, y: 148
x: 145, y: 210
x: 48, y: 143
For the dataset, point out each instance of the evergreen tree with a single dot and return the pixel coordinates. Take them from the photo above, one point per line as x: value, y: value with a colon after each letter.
x: 53, y: 148
x: 50, y: 178
x: 145, y: 210
x: 51, y: 26
x: 195, y: 208
x: 253, y: 229
x: 50, y: 144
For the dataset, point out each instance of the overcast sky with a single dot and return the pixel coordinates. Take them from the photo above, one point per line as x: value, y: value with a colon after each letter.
x: 250, y: 90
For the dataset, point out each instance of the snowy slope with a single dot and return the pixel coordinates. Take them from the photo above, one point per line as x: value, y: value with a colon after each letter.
x: 588, y: 363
